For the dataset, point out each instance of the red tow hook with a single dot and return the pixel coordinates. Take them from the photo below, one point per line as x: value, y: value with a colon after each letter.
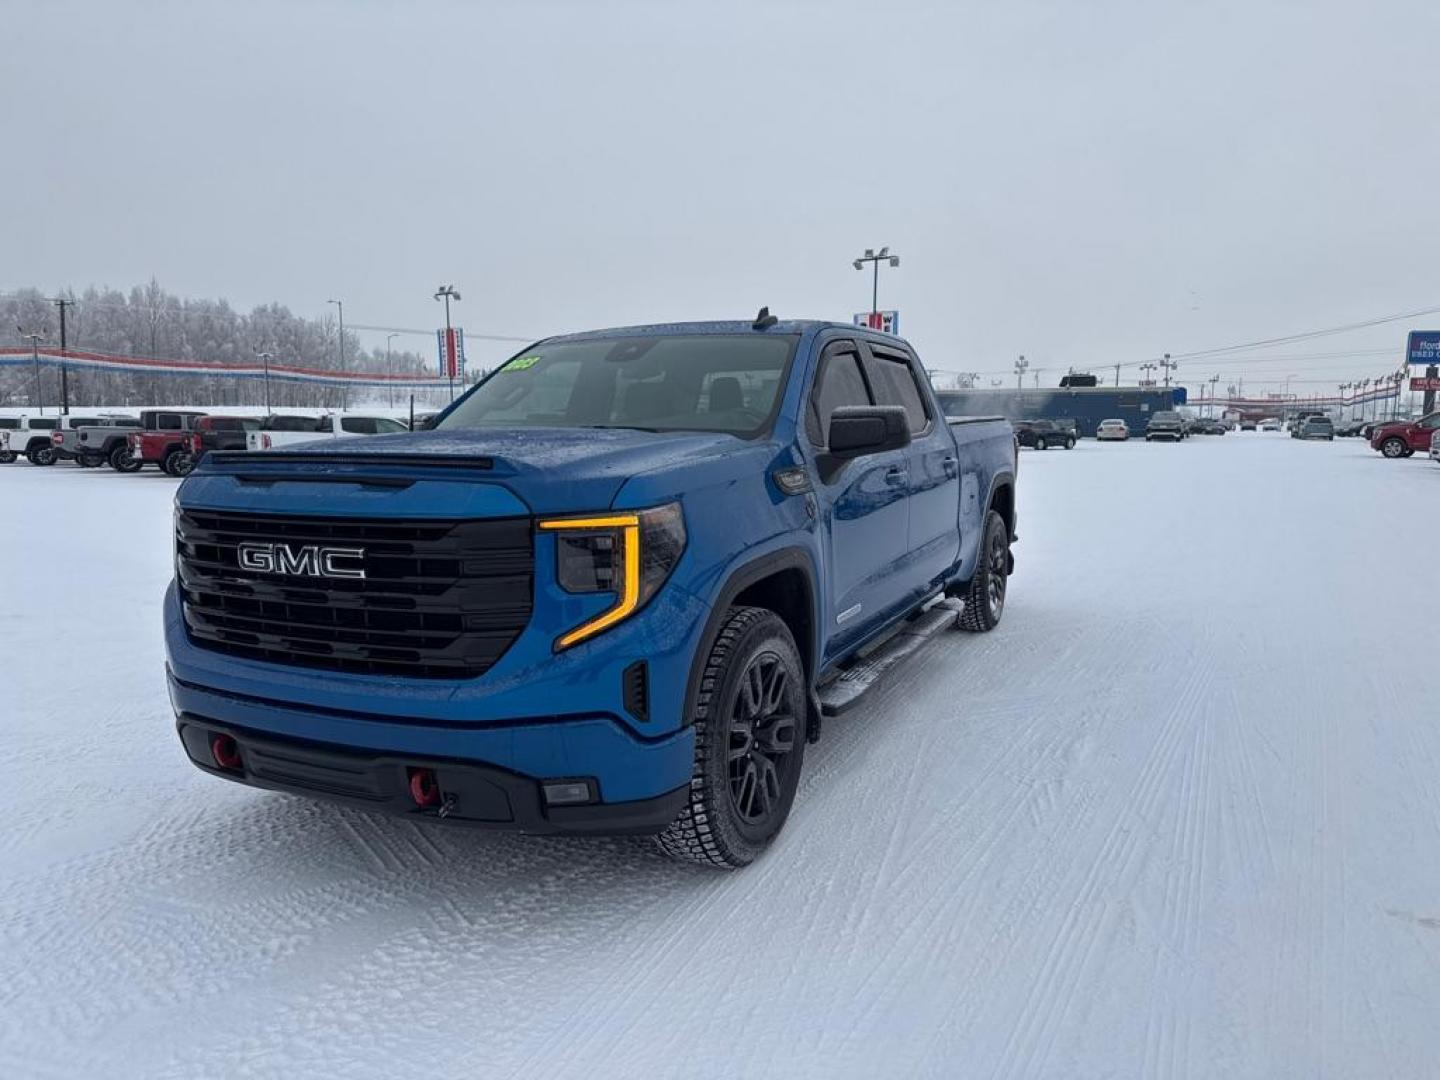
x: 226, y: 752
x: 424, y: 788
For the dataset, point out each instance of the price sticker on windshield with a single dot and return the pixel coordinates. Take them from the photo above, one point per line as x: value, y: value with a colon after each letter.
x: 521, y: 363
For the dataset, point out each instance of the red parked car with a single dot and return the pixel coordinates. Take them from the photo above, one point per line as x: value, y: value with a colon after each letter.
x: 1405, y: 437
x: 168, y: 441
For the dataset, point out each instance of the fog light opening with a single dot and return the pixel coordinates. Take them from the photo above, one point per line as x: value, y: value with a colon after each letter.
x: 226, y: 753
x: 567, y: 792
x: 424, y: 788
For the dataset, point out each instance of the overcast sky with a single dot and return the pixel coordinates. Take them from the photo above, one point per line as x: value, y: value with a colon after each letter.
x: 1085, y: 183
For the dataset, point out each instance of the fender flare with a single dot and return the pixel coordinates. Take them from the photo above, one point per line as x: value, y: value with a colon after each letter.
x: 740, y: 578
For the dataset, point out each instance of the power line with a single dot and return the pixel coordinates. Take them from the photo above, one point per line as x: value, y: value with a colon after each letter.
x: 1309, y: 334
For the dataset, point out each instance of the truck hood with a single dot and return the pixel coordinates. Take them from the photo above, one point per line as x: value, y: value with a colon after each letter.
x: 552, y: 470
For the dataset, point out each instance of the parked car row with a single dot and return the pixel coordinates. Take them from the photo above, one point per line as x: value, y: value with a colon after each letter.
x: 1402, y: 438
x: 1044, y: 434
x: 171, y: 439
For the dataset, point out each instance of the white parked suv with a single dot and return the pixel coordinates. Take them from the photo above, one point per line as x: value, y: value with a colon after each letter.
x: 284, y: 431
x: 30, y: 436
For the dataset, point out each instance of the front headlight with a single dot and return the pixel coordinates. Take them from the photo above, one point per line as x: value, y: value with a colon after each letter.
x: 629, y: 553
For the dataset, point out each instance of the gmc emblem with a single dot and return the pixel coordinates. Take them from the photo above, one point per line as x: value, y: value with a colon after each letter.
x: 311, y: 560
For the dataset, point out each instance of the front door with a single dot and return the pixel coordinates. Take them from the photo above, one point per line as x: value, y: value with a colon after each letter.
x: 865, y: 499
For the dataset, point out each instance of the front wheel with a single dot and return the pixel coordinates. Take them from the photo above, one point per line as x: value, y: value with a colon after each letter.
x: 90, y: 461
x: 1069, y: 444
x: 1393, y: 447
x: 8, y: 457
x: 985, y: 598
x: 749, y: 744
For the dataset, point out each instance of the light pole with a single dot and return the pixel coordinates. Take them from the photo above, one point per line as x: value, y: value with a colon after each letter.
x: 1020, y: 367
x: 344, y: 397
x: 447, y: 292
x: 390, y: 369
x: 1214, y: 382
x: 265, y: 358
x: 1148, y: 367
x: 875, y: 259
x: 35, y: 340
x: 1169, y: 366
x: 1036, y: 374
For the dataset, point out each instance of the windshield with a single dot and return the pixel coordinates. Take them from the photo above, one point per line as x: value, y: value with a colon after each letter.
x: 724, y: 382
x: 1167, y: 417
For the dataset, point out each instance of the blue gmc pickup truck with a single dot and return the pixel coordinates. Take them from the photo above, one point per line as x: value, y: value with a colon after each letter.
x: 616, y: 589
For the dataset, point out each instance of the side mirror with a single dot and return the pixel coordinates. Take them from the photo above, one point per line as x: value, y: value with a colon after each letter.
x: 856, y: 430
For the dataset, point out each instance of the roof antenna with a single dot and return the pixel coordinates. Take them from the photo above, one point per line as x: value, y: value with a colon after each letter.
x: 764, y: 320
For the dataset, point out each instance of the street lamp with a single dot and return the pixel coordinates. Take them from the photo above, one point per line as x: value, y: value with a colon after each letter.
x: 340, y: 305
x: 35, y: 340
x: 447, y: 293
x: 265, y: 358
x: 1020, y: 367
x: 390, y: 368
x: 1148, y: 367
x: 875, y: 259
x: 1169, y: 366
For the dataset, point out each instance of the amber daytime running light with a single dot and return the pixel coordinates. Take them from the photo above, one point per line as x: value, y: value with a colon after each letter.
x: 629, y: 553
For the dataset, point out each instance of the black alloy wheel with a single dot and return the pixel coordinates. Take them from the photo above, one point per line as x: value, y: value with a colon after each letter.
x: 763, y: 733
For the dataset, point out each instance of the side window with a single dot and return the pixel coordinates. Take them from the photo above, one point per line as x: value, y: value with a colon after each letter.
x: 1432, y: 421
x: 893, y: 381
x: 42, y: 425
x: 385, y: 426
x: 357, y: 425
x: 838, y: 382
x: 167, y: 421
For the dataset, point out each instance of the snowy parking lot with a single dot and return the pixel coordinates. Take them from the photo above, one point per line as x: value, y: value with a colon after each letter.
x: 1178, y: 816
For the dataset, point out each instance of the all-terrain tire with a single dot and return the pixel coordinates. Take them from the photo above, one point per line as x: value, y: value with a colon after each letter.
x: 90, y: 461
x: 179, y: 463
x: 122, y: 461
x: 42, y: 457
x: 753, y: 648
x: 985, y: 599
x: 8, y: 457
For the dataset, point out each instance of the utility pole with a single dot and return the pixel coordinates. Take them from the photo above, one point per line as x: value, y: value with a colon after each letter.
x: 390, y: 370
x: 1169, y: 366
x: 62, y: 303
x: 1020, y: 367
x: 875, y: 259
x: 1117, y: 375
x: 35, y: 340
x: 445, y: 292
x: 344, y: 387
x: 1214, y: 383
x: 1037, y: 377
x: 265, y: 358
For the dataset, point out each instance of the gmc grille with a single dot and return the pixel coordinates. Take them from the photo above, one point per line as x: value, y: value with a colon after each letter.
x: 439, y: 600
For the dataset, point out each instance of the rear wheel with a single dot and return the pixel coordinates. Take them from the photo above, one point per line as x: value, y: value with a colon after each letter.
x: 7, y: 457
x: 121, y: 460
x: 179, y: 463
x: 90, y: 461
x: 41, y: 456
x: 985, y: 599
x: 749, y: 744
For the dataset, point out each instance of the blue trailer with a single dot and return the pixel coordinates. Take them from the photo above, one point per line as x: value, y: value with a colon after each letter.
x: 1087, y: 406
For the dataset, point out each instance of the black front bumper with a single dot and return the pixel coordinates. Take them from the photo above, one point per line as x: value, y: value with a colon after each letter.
x: 480, y: 795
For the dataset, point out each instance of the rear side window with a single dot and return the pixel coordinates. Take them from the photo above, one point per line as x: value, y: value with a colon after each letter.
x: 357, y: 425
x: 9, y: 424
x: 291, y: 423
x: 42, y: 425
x: 167, y: 421
x: 838, y: 383
x: 893, y: 381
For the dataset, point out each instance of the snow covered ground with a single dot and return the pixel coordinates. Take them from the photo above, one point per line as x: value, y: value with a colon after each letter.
x: 1178, y: 816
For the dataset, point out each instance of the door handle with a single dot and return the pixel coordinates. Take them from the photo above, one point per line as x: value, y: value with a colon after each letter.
x: 896, y: 473
x: 952, y: 466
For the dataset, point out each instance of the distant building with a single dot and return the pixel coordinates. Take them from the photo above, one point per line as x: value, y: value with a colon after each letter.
x: 1087, y: 406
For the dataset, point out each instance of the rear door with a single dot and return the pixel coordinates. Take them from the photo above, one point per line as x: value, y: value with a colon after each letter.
x: 933, y: 537
x: 864, y: 501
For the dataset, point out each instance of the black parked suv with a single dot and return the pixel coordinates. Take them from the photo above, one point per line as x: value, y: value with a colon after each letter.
x: 1165, y: 425
x: 1042, y: 434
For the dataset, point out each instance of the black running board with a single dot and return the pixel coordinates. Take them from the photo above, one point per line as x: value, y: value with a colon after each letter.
x: 842, y: 693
